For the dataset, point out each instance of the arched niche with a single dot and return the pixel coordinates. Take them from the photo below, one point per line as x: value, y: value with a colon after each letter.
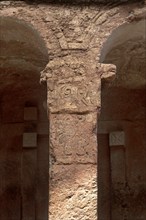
x: 126, y: 47
x: 121, y: 126
x: 23, y: 122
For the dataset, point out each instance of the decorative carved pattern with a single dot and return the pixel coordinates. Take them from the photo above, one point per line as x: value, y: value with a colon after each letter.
x: 72, y: 87
x: 75, y: 97
x: 73, y: 138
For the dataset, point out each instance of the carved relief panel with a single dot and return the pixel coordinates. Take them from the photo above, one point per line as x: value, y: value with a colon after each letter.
x: 73, y: 138
x: 74, y: 97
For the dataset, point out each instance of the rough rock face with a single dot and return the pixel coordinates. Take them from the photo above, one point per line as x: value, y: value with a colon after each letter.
x: 75, y: 38
x: 85, y: 1
x: 76, y: 187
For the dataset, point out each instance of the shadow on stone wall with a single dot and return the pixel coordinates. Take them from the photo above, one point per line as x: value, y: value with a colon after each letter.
x: 82, y: 2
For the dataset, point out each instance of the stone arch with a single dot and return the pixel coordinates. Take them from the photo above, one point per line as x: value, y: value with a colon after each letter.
x: 100, y: 33
x: 27, y: 45
x: 120, y: 35
x: 23, y: 122
x: 47, y: 29
x: 121, y: 41
x: 122, y: 115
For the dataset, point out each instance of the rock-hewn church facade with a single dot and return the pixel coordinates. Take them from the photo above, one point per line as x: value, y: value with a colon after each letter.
x: 73, y: 110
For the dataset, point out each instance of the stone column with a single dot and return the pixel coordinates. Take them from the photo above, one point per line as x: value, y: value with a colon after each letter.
x: 73, y: 104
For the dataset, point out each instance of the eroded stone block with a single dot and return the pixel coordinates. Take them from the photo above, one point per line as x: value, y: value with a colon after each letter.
x: 117, y: 138
x: 30, y: 139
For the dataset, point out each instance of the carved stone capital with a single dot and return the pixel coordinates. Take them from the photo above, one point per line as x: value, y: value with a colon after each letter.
x: 72, y: 86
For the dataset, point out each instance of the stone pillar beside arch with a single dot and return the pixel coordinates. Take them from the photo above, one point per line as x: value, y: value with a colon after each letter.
x: 73, y: 105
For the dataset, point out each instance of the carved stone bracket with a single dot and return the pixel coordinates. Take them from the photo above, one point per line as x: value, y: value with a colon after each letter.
x: 107, y: 72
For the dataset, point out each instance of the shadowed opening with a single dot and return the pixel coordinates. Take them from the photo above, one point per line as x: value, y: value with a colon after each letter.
x: 121, y: 127
x: 23, y: 123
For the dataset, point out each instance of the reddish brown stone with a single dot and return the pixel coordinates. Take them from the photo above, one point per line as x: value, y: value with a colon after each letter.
x: 76, y: 188
x: 73, y: 138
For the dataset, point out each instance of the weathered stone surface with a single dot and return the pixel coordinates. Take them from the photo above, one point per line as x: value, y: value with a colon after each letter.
x: 71, y: 87
x: 30, y: 140
x: 74, y: 37
x: 128, y: 54
x: 73, y: 138
x: 74, y: 96
x: 107, y: 72
x: 76, y: 187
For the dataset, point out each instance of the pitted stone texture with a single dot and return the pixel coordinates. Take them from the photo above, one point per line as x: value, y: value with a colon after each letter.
x: 73, y: 138
x: 73, y: 192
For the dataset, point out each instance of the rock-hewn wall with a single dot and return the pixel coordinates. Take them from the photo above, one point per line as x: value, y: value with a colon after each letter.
x: 74, y: 38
